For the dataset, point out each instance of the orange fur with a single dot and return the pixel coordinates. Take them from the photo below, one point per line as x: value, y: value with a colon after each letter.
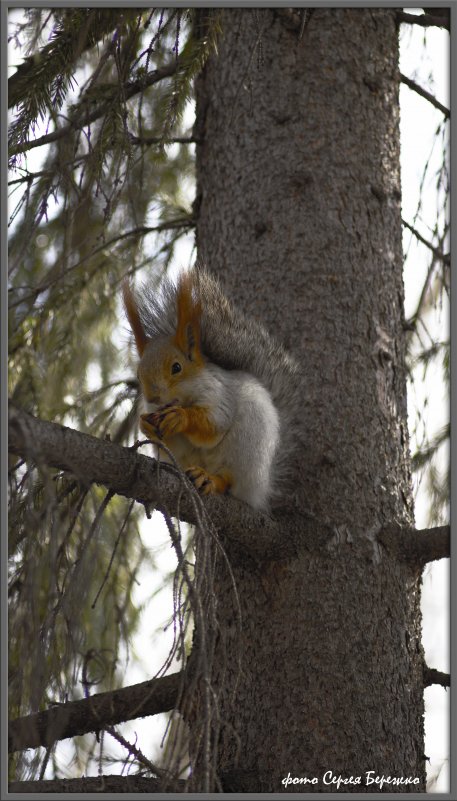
x: 200, y: 428
x: 134, y: 318
x: 192, y: 421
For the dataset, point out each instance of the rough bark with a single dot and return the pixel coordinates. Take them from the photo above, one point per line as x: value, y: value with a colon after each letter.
x: 299, y: 213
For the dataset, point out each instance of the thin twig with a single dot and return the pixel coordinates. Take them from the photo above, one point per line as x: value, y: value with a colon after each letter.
x: 137, y: 753
x: 108, y: 569
x: 140, y: 231
x: 427, y: 95
x: 444, y: 257
x: 159, y: 140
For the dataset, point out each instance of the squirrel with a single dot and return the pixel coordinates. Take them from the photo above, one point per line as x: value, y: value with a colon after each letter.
x: 222, y: 395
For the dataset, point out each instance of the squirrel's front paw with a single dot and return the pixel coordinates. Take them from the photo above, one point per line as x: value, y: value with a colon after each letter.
x: 166, y: 421
x: 206, y: 483
x: 147, y: 427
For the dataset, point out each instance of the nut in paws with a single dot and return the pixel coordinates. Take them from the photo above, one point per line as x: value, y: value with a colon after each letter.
x: 168, y: 420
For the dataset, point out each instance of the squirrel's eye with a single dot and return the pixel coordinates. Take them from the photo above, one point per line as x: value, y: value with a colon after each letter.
x: 176, y: 368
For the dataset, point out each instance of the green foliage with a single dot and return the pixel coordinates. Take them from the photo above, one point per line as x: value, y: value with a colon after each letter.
x: 42, y: 82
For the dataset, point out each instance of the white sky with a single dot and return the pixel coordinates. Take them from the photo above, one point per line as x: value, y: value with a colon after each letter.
x: 418, y: 125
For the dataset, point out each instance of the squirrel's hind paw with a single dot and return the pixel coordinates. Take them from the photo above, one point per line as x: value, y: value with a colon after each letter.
x: 206, y: 483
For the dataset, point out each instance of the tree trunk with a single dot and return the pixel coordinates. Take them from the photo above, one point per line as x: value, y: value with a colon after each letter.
x: 298, y: 207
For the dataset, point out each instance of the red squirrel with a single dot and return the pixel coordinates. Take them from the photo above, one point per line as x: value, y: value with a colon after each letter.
x: 221, y: 393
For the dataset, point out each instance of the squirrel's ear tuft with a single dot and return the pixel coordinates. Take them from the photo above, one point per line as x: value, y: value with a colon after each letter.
x: 189, y: 311
x: 133, y: 315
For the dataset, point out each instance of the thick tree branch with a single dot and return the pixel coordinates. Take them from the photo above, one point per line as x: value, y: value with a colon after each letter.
x: 427, y: 95
x: 81, y: 118
x: 438, y: 11
x: 432, y: 676
x: 94, y: 713
x: 425, y: 20
x: 98, y: 784
x: 417, y: 546
x: 92, y: 460
x: 133, y: 475
x: 244, y: 533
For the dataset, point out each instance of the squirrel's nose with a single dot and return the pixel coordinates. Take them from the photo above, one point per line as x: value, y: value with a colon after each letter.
x: 152, y: 392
